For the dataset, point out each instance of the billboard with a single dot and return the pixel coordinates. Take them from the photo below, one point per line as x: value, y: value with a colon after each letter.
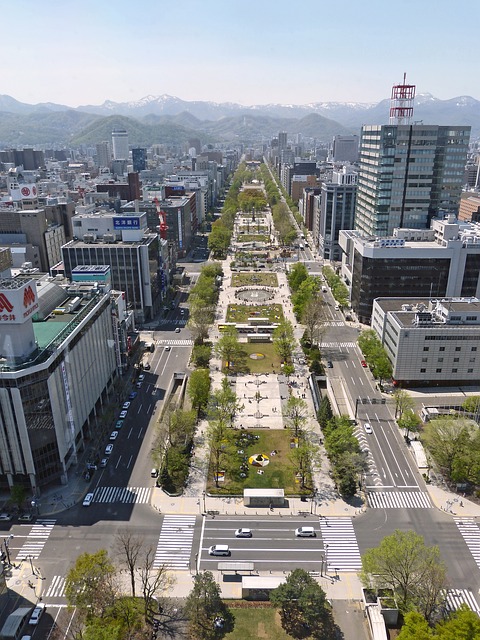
x: 180, y: 230
x: 18, y: 305
x: 126, y: 222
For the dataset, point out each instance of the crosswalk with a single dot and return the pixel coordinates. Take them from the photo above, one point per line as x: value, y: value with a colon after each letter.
x: 456, y: 597
x: 471, y: 534
x: 36, y: 539
x: 340, y: 544
x: 174, y: 343
x: 333, y: 323
x: 56, y: 588
x: 127, y: 495
x: 175, y: 542
x: 336, y: 345
x: 399, y: 500
x: 178, y: 321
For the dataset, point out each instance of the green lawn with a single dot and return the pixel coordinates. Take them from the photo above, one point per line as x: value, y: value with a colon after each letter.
x: 254, y: 279
x: 240, y: 313
x: 278, y: 474
x: 269, y: 364
x: 252, y: 237
x: 255, y: 623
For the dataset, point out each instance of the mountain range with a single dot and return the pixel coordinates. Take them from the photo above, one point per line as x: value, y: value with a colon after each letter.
x: 167, y: 119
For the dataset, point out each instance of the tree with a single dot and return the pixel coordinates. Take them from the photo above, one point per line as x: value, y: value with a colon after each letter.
x: 199, y: 388
x: 415, y: 627
x: 404, y: 563
x: 409, y: 421
x: 224, y: 403
x: 219, y: 239
x: 297, y: 274
x: 403, y: 402
x: 230, y: 350
x: 201, y: 355
x: 18, y: 495
x: 220, y: 442
x: 450, y: 442
x: 463, y: 624
x: 204, y: 606
x: 90, y: 584
x: 154, y: 583
x: 283, y: 339
x: 128, y: 547
x: 200, y: 320
x: 304, y: 610
x: 304, y: 458
x: 472, y: 404
x: 296, y: 413
x: 312, y: 318
x: 325, y: 412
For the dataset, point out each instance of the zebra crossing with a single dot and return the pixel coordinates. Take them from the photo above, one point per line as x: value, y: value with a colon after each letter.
x: 36, y: 539
x: 471, y: 534
x: 56, y: 589
x: 175, y: 542
x: 399, y: 500
x: 454, y: 598
x: 340, y: 544
x: 127, y: 495
x: 177, y: 321
x: 174, y: 343
x: 336, y: 345
x: 333, y: 323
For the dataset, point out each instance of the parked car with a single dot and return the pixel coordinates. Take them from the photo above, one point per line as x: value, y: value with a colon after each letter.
x: 139, y: 385
x: 87, y: 501
x: 146, y: 366
x: 114, y: 435
x: 167, y: 348
x: 329, y: 364
x: 103, y: 463
x: 133, y: 395
x: 126, y: 406
x: 118, y: 424
x: 122, y: 415
x: 26, y: 517
x: 177, y: 329
x: 141, y: 377
x: 364, y: 364
x: 5, y: 517
x: 108, y: 449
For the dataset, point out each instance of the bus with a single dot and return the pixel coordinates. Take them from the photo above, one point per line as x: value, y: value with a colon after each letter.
x: 12, y: 629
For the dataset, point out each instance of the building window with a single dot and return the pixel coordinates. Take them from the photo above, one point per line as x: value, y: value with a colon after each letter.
x: 454, y: 370
x: 469, y: 370
x: 422, y: 370
x: 424, y: 359
x: 438, y: 371
x: 471, y: 360
x: 426, y: 348
x: 458, y: 348
x: 440, y: 360
x: 442, y: 349
x: 474, y: 348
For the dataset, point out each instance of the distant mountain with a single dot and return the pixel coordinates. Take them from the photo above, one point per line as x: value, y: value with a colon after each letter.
x: 169, y: 119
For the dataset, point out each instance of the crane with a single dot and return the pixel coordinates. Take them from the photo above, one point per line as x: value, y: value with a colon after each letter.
x: 162, y: 217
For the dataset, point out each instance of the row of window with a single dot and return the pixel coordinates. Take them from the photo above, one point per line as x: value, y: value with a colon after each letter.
x: 440, y: 371
x: 455, y: 360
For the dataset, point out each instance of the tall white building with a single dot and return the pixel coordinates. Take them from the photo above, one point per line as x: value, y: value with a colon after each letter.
x: 120, y: 144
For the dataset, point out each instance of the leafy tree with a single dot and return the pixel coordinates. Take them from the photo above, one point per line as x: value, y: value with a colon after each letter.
x: 409, y: 421
x: 312, y: 318
x: 463, y: 624
x: 283, y: 339
x: 348, y: 467
x: 403, y: 402
x: 304, y: 609
x: 304, y: 458
x: 297, y: 274
x: 200, y: 320
x: 203, y: 606
x: 382, y: 367
x: 404, y: 563
x: 220, y: 442
x: 18, y: 495
x: 325, y: 412
x: 230, y: 350
x: 90, y: 584
x: 306, y: 291
x: 201, y: 355
x: 224, y: 403
x: 450, y: 442
x: 472, y: 404
x: 296, y: 414
x: 219, y: 239
x: 199, y: 388
x: 415, y: 627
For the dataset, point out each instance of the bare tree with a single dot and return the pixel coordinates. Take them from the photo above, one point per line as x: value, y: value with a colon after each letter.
x: 129, y: 548
x: 154, y: 583
x: 312, y: 318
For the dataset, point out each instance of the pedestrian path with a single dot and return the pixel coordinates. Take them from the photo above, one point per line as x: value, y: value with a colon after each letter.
x: 36, y: 539
x: 127, y: 495
x: 174, y: 343
x: 336, y: 345
x: 456, y: 597
x: 56, y: 589
x: 399, y: 500
x: 175, y: 542
x: 340, y: 544
x: 471, y: 534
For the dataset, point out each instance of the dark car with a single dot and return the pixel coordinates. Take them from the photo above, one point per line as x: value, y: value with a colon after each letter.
x: 329, y: 364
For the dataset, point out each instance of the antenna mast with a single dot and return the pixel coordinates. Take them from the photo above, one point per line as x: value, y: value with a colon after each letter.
x: 401, y: 102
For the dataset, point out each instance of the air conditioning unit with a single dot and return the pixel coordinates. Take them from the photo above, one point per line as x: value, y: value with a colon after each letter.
x: 109, y: 238
x: 89, y: 238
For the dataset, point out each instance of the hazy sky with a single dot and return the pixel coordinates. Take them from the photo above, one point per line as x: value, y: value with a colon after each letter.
x: 245, y: 51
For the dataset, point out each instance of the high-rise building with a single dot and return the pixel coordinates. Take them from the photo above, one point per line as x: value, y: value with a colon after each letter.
x: 408, y: 175
x: 104, y: 154
x: 345, y: 149
x: 120, y: 144
x: 282, y: 140
x: 139, y: 159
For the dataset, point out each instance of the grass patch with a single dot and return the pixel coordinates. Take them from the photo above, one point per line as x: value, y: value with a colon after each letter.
x: 254, y: 279
x: 240, y: 313
x: 257, y: 623
x: 278, y: 474
x: 252, y: 237
x: 272, y: 361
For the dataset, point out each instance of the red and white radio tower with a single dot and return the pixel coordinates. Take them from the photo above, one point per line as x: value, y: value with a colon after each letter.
x: 401, y: 102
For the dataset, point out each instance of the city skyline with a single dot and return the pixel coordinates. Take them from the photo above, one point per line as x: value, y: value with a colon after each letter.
x: 235, y: 52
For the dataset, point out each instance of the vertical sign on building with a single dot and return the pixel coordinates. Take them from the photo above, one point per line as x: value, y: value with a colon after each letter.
x: 180, y: 235
x: 68, y: 401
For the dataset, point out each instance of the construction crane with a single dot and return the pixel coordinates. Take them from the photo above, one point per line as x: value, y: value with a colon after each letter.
x: 162, y: 217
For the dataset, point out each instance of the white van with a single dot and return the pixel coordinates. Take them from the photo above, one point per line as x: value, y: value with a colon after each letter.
x: 219, y: 550
x: 305, y: 532
x: 87, y: 501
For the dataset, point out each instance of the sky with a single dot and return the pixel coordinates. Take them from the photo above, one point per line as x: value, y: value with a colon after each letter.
x: 244, y: 51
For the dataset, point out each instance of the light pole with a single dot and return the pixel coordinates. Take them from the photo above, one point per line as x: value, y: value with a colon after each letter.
x: 313, y: 501
x: 31, y: 565
x: 204, y: 507
x: 321, y: 566
x: 326, y: 559
x: 7, y: 550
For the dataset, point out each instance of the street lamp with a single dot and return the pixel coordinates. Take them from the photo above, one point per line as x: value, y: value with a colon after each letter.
x: 7, y: 550
x: 204, y: 507
x: 313, y: 501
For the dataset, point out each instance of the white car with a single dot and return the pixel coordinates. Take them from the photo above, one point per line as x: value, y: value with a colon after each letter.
x: 113, y: 435
x: 177, y: 330
x: 103, y: 463
x: 37, y: 613
x: 108, y: 449
x: 167, y: 348
x: 123, y: 414
x: 87, y: 501
x: 141, y: 378
x: 126, y: 405
x: 368, y: 427
x: 5, y: 517
x: 243, y: 533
